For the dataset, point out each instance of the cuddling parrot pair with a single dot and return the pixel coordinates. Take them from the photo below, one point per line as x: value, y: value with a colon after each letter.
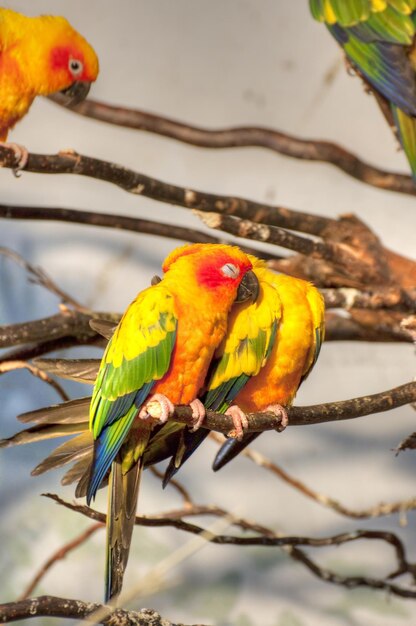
x: 182, y: 341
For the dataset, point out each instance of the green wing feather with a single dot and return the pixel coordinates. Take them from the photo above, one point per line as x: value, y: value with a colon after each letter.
x: 250, y: 338
x: 137, y: 355
x: 378, y: 38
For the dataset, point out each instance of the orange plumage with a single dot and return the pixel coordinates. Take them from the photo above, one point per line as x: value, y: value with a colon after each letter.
x: 266, y: 370
x: 39, y: 56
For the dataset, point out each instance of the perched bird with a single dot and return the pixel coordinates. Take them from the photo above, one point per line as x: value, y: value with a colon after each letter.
x: 270, y: 348
x: 40, y: 56
x: 378, y: 38
x: 158, y: 356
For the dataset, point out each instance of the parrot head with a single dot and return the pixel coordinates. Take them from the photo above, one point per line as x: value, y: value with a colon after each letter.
x: 221, y: 271
x: 59, y: 58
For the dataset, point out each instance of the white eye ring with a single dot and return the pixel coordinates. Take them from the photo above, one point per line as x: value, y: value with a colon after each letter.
x: 75, y: 67
x: 230, y: 270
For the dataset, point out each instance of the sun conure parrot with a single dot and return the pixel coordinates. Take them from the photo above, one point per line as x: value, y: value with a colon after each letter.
x: 159, y: 353
x: 40, y: 56
x: 270, y: 348
x: 378, y: 38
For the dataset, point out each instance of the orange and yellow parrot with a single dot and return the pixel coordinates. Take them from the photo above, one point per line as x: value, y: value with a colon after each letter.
x: 159, y: 354
x: 270, y: 348
x: 379, y: 40
x: 40, y: 56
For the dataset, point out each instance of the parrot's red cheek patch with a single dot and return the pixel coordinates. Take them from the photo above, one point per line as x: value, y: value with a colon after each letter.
x: 60, y: 56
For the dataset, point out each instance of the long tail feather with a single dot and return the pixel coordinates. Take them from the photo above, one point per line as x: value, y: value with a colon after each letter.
x: 64, y: 413
x: 230, y: 449
x: 68, y: 452
x: 406, y: 127
x: 191, y: 441
x: 122, y: 504
x: 80, y: 370
x: 40, y: 433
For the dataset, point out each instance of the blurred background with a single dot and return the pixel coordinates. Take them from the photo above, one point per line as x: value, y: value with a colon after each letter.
x: 214, y: 64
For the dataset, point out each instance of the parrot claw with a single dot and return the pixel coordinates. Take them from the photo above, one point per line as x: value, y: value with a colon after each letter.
x: 240, y: 421
x: 159, y: 407
x: 198, y: 414
x: 21, y: 154
x: 281, y: 412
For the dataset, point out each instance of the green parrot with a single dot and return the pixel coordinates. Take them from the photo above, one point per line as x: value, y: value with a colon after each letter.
x: 378, y: 38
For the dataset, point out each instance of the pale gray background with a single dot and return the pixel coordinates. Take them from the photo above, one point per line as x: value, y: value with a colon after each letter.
x: 216, y: 63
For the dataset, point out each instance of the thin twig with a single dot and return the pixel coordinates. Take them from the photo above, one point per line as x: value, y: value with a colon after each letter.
x: 268, y: 138
x: 403, y: 566
x: 378, y: 510
x: 40, y: 277
x: 176, y: 485
x: 9, y: 366
x: 61, y: 553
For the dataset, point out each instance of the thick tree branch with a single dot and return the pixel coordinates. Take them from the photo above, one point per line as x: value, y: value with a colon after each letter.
x: 119, y: 222
x: 338, y: 254
x: 51, y: 606
x: 140, y: 184
x: 248, y: 136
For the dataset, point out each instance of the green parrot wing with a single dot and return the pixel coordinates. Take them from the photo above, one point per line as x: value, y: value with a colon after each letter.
x: 250, y: 338
x: 376, y: 36
x: 137, y: 355
x: 317, y: 306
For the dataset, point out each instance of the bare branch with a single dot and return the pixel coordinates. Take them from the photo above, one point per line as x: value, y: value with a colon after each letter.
x: 140, y: 184
x: 306, y: 415
x: 51, y: 606
x: 337, y: 254
x: 176, y: 485
x: 67, y: 323
x: 388, y: 297
x: 378, y: 510
x: 248, y: 136
x: 40, y: 277
x: 120, y: 222
x: 291, y: 542
x: 9, y: 366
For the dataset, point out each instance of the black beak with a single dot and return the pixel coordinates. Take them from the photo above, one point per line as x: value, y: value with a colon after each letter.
x: 249, y: 288
x: 76, y: 93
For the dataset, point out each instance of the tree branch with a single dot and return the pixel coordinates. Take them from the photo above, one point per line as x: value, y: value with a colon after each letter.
x: 51, y: 606
x: 250, y: 136
x: 338, y: 254
x: 120, y: 222
x: 289, y: 542
x: 9, y: 366
x: 140, y: 184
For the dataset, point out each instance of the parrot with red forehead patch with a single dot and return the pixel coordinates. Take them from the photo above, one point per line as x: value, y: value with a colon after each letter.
x: 270, y: 347
x: 159, y: 354
x: 40, y: 56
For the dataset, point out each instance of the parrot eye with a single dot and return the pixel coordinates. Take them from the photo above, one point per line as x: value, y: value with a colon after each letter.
x: 75, y: 67
x: 230, y: 270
